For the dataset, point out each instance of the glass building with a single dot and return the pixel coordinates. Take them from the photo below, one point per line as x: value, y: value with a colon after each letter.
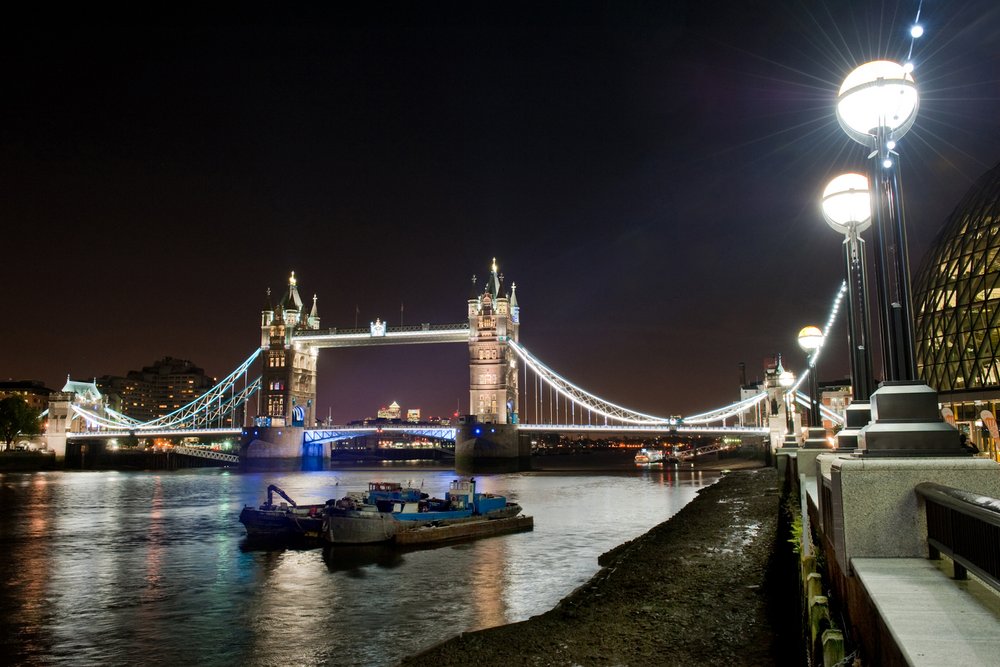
x: 956, y: 303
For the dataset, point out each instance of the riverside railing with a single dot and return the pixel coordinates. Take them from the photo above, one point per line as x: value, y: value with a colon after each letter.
x: 965, y: 527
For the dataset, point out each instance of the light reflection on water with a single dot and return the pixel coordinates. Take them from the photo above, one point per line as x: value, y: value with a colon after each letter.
x: 124, y: 568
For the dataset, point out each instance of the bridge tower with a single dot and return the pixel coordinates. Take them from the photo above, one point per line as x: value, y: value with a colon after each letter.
x: 494, y: 319
x: 288, y: 375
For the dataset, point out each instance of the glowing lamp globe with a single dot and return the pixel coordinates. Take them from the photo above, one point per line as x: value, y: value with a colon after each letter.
x: 810, y: 338
x: 847, y: 203
x: 879, y: 94
x: 786, y: 379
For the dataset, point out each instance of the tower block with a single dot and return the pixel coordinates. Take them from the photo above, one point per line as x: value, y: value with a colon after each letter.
x: 288, y: 376
x: 494, y: 319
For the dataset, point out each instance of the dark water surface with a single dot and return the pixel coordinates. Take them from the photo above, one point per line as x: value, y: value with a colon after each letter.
x: 115, y: 568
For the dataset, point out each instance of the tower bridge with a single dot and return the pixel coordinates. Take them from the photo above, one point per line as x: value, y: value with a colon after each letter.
x: 512, y: 393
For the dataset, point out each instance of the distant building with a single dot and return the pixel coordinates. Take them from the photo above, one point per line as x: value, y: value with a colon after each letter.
x: 956, y: 307
x: 156, y: 390
x: 88, y: 401
x: 413, y: 415
x: 391, y: 412
x: 34, y: 393
x: 836, y: 396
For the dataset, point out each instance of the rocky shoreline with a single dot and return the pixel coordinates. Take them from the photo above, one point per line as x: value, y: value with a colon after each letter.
x: 707, y: 587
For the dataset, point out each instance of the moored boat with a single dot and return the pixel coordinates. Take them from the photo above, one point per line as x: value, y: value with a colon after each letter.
x: 289, y: 521
x: 647, y: 457
x: 348, y: 522
x: 286, y: 520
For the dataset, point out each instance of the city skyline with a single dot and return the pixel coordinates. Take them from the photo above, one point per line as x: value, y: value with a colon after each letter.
x: 649, y: 177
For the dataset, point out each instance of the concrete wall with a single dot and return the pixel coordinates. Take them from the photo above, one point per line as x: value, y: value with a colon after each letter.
x: 276, y: 442
x: 491, y: 448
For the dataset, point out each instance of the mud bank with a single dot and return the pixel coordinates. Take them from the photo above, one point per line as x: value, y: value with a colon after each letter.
x: 704, y: 588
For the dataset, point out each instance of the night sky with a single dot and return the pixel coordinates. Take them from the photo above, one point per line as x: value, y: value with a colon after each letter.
x: 647, y: 173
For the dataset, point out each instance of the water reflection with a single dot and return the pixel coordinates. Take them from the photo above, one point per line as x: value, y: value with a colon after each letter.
x: 122, y: 568
x: 357, y: 557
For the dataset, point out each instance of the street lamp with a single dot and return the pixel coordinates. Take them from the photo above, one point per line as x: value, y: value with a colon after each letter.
x: 785, y: 380
x: 877, y: 104
x: 810, y: 338
x: 847, y: 209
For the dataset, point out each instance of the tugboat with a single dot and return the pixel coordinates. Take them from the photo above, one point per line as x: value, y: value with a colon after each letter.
x: 287, y: 520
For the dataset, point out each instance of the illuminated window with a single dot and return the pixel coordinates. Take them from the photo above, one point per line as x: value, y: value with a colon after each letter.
x: 956, y: 293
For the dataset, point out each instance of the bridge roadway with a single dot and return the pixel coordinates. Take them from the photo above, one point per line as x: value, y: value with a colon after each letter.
x: 333, y: 434
x: 316, y: 435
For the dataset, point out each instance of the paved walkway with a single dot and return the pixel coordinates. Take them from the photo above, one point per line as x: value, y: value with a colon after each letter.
x: 935, y: 620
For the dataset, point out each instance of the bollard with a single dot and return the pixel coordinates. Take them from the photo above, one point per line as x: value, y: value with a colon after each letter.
x: 833, y: 648
x: 814, y: 586
x: 819, y: 617
x: 808, y: 564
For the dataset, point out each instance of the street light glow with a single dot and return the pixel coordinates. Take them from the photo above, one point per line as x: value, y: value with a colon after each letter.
x: 847, y: 203
x: 810, y: 338
x: 917, y: 31
x: 878, y: 94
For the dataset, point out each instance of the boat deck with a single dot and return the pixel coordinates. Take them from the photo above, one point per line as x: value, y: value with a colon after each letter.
x: 465, y: 530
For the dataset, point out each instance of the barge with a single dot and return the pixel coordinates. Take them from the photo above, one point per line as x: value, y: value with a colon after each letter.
x: 462, y: 507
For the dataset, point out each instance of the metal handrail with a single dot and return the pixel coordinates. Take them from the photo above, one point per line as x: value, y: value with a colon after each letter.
x: 964, y: 526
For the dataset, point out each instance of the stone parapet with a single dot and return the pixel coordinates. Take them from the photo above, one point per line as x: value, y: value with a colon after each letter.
x: 876, y: 510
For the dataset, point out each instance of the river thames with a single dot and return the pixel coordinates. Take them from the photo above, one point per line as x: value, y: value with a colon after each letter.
x: 116, y: 568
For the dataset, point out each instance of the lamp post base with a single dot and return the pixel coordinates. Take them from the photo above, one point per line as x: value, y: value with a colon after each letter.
x: 856, y: 417
x: 816, y: 438
x: 906, y: 423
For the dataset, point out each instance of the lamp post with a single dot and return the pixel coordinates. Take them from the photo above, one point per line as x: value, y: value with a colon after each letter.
x: 810, y: 338
x: 785, y: 380
x: 877, y: 105
x: 847, y: 209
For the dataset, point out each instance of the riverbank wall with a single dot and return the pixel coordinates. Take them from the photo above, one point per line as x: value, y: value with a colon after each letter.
x: 715, y: 584
x: 102, y: 458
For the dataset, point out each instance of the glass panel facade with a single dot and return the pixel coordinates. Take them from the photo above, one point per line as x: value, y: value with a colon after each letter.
x: 956, y: 296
